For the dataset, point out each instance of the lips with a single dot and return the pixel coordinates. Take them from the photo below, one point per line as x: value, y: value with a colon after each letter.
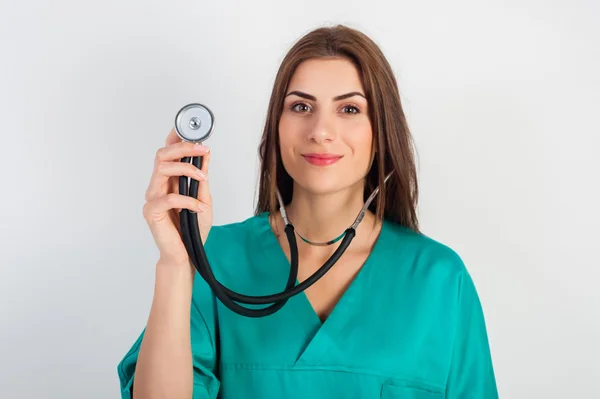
x: 322, y: 159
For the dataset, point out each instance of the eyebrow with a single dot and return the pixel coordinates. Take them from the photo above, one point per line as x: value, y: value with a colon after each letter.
x: 336, y: 98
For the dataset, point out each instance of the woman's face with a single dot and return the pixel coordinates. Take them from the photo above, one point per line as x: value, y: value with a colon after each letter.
x: 324, y: 132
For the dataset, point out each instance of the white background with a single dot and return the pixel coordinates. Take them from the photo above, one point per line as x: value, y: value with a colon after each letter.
x: 502, y: 98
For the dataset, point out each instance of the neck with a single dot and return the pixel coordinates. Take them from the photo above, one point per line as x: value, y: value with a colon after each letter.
x: 321, y: 218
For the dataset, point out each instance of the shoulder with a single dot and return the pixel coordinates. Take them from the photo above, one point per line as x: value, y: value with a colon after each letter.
x: 234, y: 250
x: 426, y: 267
x: 238, y: 227
x: 227, y: 243
x: 426, y: 271
x: 237, y: 234
x: 422, y: 252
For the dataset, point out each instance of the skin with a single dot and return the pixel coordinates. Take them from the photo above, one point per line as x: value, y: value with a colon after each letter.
x: 327, y: 199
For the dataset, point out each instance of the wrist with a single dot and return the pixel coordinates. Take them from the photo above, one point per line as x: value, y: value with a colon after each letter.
x: 174, y: 270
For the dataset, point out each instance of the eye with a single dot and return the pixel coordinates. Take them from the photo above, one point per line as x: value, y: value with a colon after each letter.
x: 353, y: 109
x: 294, y: 107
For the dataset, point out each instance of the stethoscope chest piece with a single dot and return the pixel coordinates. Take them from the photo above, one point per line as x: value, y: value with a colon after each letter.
x: 194, y: 123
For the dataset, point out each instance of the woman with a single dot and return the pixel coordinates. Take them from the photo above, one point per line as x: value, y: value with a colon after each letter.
x: 398, y: 315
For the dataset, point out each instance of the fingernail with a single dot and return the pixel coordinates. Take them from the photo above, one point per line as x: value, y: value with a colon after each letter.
x: 201, y: 206
x: 200, y: 148
x: 202, y: 175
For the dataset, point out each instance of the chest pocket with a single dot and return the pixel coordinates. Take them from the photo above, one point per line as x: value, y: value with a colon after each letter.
x: 389, y: 391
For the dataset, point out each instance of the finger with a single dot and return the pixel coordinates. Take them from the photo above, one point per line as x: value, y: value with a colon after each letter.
x: 205, y: 162
x: 159, y: 184
x: 176, y: 151
x: 169, y: 169
x: 172, y: 138
x: 155, y: 211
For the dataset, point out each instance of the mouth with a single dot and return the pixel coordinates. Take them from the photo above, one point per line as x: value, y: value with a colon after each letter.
x: 322, y: 159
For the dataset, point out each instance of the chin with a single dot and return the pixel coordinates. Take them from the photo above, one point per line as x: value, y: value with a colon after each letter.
x: 322, y: 182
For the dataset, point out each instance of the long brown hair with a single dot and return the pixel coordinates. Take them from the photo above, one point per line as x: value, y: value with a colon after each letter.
x: 392, y: 140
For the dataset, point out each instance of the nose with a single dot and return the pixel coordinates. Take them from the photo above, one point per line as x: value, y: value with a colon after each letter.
x: 323, y: 130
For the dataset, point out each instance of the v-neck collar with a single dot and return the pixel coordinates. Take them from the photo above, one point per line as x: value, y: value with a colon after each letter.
x: 321, y: 335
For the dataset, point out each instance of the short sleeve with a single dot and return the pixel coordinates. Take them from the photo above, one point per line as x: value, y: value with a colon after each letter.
x: 471, y: 371
x: 202, y: 333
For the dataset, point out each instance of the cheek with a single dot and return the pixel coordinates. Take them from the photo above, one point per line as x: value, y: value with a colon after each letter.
x: 285, y: 129
x: 360, y: 139
x: 287, y: 137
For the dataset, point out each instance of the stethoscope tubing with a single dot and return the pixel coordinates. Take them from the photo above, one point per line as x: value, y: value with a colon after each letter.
x: 193, y: 243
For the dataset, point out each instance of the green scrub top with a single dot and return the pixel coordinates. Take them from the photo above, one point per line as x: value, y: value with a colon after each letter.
x: 409, y: 326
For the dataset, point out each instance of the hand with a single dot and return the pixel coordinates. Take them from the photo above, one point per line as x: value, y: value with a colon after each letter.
x: 163, y: 201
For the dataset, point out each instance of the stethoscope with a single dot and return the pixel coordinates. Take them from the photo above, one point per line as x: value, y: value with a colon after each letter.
x: 195, y: 123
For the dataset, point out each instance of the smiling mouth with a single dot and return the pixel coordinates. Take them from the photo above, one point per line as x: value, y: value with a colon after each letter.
x: 322, y: 159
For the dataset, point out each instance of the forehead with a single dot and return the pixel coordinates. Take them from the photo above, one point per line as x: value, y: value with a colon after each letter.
x: 326, y: 76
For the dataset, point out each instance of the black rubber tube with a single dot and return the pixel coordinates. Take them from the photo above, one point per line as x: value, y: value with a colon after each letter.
x: 193, y: 243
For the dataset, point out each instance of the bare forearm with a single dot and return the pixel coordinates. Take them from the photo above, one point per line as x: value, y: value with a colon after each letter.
x: 164, y: 368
